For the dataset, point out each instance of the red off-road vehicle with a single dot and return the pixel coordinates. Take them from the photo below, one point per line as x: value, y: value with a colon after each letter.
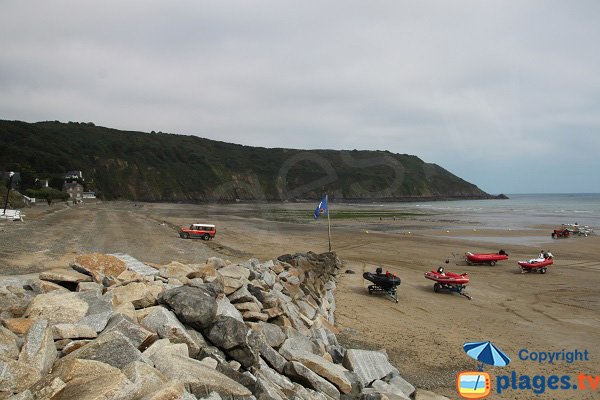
x: 198, y: 231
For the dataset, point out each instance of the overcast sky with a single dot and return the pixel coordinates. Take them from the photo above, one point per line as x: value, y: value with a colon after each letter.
x: 505, y: 94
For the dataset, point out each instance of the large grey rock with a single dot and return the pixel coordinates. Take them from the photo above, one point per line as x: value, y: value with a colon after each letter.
x: 16, y: 376
x: 26, y: 395
x: 213, y: 352
x: 272, y: 333
x: 305, y: 376
x: 282, y: 381
x: 268, y: 278
x: 14, y: 300
x: 50, y: 389
x: 297, y: 343
x: 224, y: 307
x: 235, y: 272
x: 126, y: 309
x: 140, y: 294
x: 69, y: 346
x: 64, y: 276
x: 39, y: 350
x: 111, y: 348
x: 75, y: 368
x: 249, y: 306
x: 334, y: 373
x: 303, y: 393
x: 164, y: 346
x: 253, y: 316
x: 368, y: 365
x: 193, y: 306
x: 135, y: 265
x: 86, y: 308
x: 171, y: 390
x: 199, y: 340
x: 245, y: 379
x: 139, y: 336
x: 243, y: 295
x: 165, y: 324
x: 200, y: 379
x: 146, y: 380
x: 389, y: 391
x: 90, y: 286
x: 275, y: 360
x: 230, y: 285
x: 99, y: 310
x: 8, y: 344
x: 321, y: 333
x: 109, y: 386
x: 399, y: 384
x: 215, y: 262
x: 306, y: 309
x: 233, y: 337
x: 265, y: 389
x: 73, y: 331
x: 292, y: 312
x: 175, y: 270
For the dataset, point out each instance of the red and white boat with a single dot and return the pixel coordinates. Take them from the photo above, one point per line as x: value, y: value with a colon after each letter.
x: 448, y: 278
x: 449, y: 281
x: 485, y: 258
x: 539, y: 264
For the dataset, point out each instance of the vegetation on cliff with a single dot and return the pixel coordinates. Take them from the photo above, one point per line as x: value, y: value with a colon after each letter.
x: 168, y: 167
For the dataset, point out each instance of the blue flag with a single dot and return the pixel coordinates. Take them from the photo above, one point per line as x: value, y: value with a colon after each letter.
x: 322, y: 208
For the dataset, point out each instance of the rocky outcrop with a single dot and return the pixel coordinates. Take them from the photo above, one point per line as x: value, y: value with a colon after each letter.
x: 223, y: 331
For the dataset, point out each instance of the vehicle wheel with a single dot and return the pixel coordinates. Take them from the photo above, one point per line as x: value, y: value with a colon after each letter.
x: 542, y: 270
x: 206, y: 236
x: 437, y: 287
x: 492, y: 263
x: 370, y: 291
x: 186, y: 235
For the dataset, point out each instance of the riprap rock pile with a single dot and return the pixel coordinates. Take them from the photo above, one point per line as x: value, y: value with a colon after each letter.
x: 110, y: 329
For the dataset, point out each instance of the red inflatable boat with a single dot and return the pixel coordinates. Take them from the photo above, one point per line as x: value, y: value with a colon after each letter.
x: 485, y: 258
x: 449, y: 281
x: 535, y: 265
x: 448, y: 277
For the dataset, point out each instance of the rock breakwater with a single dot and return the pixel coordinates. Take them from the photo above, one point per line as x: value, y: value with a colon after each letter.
x: 107, y: 328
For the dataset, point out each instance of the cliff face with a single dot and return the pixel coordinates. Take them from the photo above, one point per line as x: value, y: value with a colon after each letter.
x: 167, y: 167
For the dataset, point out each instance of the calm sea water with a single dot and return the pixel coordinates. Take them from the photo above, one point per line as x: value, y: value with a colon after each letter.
x: 520, y: 211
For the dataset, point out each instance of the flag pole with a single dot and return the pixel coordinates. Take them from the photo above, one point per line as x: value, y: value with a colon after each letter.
x: 328, y: 222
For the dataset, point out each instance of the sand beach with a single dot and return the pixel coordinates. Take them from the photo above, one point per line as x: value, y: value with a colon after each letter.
x: 424, y: 332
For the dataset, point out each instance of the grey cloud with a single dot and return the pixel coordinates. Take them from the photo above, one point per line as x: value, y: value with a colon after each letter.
x: 472, y: 86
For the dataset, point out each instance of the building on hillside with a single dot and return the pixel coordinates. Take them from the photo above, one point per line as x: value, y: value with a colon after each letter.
x: 74, y: 190
x: 74, y: 175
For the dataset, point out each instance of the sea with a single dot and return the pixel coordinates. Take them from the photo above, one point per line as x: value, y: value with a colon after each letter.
x: 519, y: 212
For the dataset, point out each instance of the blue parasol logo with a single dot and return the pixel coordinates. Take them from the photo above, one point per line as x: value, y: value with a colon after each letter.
x: 486, y: 353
